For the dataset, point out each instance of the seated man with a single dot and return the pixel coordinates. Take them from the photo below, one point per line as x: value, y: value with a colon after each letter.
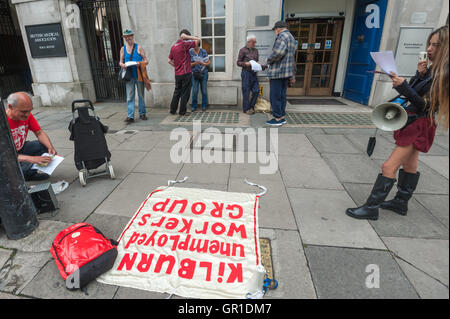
x: 20, y: 121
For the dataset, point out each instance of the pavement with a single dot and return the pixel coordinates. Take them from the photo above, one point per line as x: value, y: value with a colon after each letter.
x: 317, y: 250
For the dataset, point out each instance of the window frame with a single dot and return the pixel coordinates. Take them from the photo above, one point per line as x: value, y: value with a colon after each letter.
x: 229, y: 5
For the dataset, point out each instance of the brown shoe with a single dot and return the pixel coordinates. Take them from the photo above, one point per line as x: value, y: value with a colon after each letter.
x: 129, y: 120
x: 250, y: 112
x: 143, y: 117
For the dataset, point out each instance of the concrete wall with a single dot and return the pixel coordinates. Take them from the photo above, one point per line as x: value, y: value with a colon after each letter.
x: 57, y: 81
x: 399, y: 14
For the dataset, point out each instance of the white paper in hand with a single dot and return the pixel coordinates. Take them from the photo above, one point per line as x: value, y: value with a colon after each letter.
x: 385, y: 60
x: 50, y: 168
x: 256, y: 67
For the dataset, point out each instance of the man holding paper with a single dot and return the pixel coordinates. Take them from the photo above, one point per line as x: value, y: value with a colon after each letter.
x: 248, y: 60
x: 21, y: 121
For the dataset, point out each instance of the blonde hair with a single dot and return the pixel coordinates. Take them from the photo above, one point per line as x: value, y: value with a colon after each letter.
x: 439, y: 87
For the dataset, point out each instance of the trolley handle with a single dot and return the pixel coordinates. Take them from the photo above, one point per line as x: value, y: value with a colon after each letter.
x: 82, y: 101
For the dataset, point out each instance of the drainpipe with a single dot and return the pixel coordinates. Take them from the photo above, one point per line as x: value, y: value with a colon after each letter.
x: 282, y: 10
x: 17, y: 211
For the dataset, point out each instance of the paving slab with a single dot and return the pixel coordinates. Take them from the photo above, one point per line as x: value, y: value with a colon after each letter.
x: 158, y: 161
x: 307, y: 172
x: 21, y: 269
x: 266, y: 168
x: 326, y: 143
x: 48, y: 284
x: 40, y: 240
x: 290, y: 266
x: 341, y: 273
x: 437, y: 163
x: 142, y: 141
x: 419, y: 223
x: 76, y: 203
x: 125, y: 161
x: 126, y: 199
x: 275, y: 209
x: 426, y: 287
x: 353, y: 168
x: 383, y: 148
x: 131, y: 293
x: 429, y: 255
x: 10, y: 296
x: 111, y: 227
x: 442, y: 141
x: 437, y: 205
x: 296, y: 145
x: 321, y: 219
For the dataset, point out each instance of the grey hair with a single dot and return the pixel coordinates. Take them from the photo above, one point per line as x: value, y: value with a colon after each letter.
x: 251, y: 36
x: 13, y: 98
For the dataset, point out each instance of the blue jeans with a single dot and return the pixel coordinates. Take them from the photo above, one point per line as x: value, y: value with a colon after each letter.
x: 33, y: 148
x: 131, y: 93
x: 278, y: 88
x: 250, y: 84
x: 203, y: 84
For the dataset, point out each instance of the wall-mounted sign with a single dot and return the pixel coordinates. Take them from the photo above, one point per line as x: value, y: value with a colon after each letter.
x: 265, y: 40
x: 328, y: 44
x: 411, y: 42
x: 46, y: 40
x: 304, y: 46
x: 317, y: 46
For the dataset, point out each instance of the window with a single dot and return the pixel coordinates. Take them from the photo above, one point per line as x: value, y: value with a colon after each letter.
x: 213, y: 25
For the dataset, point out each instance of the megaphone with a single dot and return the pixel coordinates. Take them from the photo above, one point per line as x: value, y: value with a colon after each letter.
x: 389, y: 116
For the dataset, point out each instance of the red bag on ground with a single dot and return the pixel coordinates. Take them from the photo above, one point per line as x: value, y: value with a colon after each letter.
x: 82, y: 253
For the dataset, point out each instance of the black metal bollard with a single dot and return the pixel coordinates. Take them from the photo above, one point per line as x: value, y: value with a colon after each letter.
x: 17, y: 211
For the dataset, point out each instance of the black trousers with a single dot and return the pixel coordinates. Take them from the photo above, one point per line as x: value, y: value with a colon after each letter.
x: 183, y: 85
x: 31, y: 148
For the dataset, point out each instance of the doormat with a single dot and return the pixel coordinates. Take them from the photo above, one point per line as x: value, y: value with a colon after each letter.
x: 315, y: 102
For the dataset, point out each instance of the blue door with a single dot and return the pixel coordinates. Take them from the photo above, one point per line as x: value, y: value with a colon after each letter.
x: 366, y: 36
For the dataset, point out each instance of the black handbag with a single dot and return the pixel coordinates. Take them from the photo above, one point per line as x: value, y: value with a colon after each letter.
x: 126, y: 74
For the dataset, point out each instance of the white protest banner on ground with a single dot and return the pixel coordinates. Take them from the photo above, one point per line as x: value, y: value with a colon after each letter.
x: 193, y: 243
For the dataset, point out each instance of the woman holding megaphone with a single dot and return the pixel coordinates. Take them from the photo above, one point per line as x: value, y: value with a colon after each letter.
x: 427, y: 97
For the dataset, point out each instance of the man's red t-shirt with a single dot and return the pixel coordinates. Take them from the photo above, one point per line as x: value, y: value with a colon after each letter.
x: 19, y: 130
x: 179, y: 53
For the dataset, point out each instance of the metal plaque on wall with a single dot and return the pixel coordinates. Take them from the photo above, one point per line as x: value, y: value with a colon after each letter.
x: 46, y: 40
x: 412, y: 41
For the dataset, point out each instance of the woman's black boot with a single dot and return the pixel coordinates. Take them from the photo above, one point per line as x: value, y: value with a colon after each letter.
x: 407, y: 183
x: 380, y: 191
